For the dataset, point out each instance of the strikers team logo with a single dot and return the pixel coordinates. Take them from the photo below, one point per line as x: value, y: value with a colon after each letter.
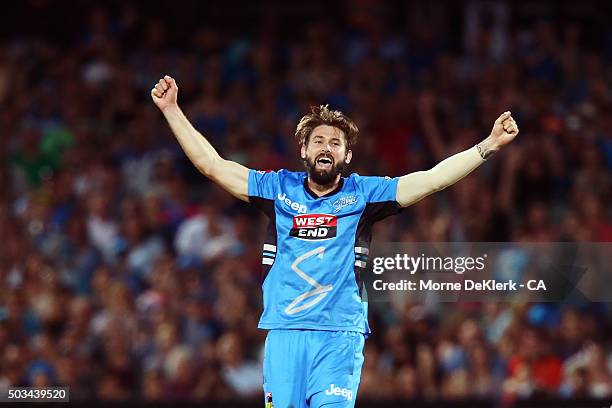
x: 314, y: 226
x: 344, y: 202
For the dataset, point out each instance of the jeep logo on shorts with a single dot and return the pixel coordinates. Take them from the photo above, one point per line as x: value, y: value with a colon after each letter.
x: 314, y: 226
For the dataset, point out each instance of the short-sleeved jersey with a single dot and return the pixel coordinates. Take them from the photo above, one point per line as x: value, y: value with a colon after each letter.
x: 317, y: 247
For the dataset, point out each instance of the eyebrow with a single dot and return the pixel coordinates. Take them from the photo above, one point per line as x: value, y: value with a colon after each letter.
x: 333, y: 139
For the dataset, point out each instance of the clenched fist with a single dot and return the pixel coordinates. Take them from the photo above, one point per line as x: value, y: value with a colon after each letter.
x: 504, y: 129
x: 165, y: 92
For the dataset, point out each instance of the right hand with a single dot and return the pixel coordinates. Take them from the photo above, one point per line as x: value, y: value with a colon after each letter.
x: 165, y: 92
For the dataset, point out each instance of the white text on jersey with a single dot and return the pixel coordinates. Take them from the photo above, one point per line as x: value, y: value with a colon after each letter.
x: 345, y: 392
x: 300, y: 208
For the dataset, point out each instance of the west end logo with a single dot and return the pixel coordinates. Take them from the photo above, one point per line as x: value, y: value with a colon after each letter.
x: 300, y: 208
x: 314, y: 226
x: 344, y: 202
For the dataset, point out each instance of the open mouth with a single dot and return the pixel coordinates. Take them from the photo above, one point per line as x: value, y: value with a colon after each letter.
x: 324, y: 162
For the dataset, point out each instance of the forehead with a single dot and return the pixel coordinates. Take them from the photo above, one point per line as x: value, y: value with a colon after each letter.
x: 327, y: 132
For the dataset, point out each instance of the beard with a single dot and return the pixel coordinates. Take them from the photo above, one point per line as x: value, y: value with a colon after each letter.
x: 320, y: 176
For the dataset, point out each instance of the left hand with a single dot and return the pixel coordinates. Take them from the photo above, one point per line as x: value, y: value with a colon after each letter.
x: 504, y: 130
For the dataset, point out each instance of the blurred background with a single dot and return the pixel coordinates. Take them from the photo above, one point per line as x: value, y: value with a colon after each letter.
x: 126, y: 275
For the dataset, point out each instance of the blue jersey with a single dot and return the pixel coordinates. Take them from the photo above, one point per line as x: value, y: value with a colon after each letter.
x: 317, y: 247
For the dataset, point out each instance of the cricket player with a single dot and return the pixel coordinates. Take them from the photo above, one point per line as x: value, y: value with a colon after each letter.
x: 317, y: 244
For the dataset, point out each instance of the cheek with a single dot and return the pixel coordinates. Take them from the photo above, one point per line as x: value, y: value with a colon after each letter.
x: 311, y: 152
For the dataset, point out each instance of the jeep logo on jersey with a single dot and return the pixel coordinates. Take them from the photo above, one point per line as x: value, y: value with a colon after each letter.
x: 344, y: 392
x: 314, y: 226
x: 300, y: 208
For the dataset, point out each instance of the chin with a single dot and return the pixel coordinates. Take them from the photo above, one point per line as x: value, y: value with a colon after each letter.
x: 322, y: 177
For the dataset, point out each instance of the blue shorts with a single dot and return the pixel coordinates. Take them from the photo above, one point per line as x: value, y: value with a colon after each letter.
x: 313, y: 368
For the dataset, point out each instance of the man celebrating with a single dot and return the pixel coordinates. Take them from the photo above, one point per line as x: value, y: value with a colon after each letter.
x: 317, y: 244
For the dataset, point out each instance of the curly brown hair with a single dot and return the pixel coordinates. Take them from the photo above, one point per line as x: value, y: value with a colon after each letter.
x: 322, y: 115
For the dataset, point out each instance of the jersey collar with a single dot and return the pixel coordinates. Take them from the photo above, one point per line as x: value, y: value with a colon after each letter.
x: 331, y: 193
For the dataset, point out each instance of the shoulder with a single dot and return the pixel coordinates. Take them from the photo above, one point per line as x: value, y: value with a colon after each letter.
x: 278, y: 177
x: 276, y: 174
x: 374, y: 188
x: 360, y: 180
x: 291, y: 176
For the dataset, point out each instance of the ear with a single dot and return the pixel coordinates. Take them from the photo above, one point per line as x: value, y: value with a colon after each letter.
x: 349, y: 156
x: 303, y: 152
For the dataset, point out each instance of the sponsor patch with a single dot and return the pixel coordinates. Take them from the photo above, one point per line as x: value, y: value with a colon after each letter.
x: 295, y: 206
x: 314, y: 226
x: 343, y: 392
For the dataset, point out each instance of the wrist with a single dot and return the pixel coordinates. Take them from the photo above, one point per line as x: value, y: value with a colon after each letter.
x: 170, y: 109
x: 487, y: 147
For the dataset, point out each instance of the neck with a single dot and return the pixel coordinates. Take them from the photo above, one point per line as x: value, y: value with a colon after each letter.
x: 322, y: 189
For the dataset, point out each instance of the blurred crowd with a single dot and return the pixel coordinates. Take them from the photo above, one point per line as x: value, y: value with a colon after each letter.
x: 125, y: 274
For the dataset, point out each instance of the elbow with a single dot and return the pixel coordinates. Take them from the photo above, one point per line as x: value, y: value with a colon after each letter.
x: 204, y: 167
x: 207, y: 166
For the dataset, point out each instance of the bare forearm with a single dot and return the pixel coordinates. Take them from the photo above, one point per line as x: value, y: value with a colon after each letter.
x: 232, y: 177
x: 201, y: 153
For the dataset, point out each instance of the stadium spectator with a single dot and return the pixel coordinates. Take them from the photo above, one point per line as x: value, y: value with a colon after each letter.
x: 125, y: 274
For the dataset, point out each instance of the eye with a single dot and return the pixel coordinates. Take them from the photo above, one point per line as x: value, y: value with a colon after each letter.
x: 336, y: 144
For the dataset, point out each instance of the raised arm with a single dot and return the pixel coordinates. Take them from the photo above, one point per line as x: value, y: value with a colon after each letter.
x: 418, y: 185
x: 231, y: 176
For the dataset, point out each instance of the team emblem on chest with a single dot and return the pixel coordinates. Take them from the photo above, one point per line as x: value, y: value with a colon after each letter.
x: 342, y: 202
